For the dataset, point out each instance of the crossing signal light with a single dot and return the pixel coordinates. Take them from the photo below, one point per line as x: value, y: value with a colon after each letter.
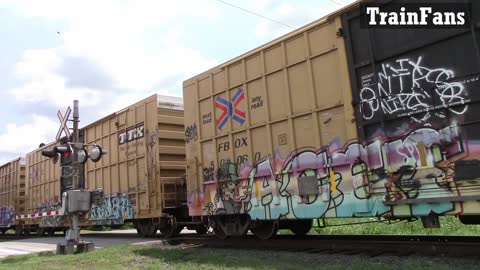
x: 49, y: 153
x: 63, y: 150
x: 97, y: 153
x: 82, y: 155
x: 66, y: 152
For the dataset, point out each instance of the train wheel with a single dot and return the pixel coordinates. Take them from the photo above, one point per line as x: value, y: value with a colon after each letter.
x: 301, y: 227
x: 265, y: 229
x: 19, y: 231
x: 41, y: 232
x: 147, y: 229
x: 151, y: 230
x: 50, y: 232
x: 4, y: 231
x: 170, y: 229
x: 219, y: 232
x: 201, y: 229
x: 26, y: 232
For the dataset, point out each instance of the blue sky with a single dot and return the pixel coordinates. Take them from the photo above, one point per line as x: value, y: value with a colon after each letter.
x: 111, y: 53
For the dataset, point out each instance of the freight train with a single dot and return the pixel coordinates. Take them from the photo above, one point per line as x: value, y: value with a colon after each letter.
x: 142, y: 179
x: 332, y: 120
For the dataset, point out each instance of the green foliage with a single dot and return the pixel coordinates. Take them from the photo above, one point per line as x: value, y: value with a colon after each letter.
x: 450, y: 225
x: 142, y: 257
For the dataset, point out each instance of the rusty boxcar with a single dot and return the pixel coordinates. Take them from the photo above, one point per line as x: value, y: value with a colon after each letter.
x: 317, y: 124
x: 143, y: 174
x: 12, y: 192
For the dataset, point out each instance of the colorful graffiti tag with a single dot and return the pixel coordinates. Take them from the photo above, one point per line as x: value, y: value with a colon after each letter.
x: 53, y: 204
x: 416, y: 165
x: 113, y: 211
x: 7, y: 216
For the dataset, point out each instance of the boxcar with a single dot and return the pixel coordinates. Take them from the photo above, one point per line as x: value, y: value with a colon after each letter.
x: 12, y: 193
x: 337, y: 120
x: 43, y: 194
x: 143, y: 174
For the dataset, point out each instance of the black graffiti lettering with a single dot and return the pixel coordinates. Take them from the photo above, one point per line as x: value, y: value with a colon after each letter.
x: 209, y: 173
x: 191, y: 133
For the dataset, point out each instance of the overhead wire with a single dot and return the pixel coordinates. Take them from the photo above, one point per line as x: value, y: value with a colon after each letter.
x: 335, y: 2
x: 256, y: 14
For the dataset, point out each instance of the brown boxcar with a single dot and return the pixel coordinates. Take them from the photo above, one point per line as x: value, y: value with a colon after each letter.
x: 43, y: 193
x: 246, y: 118
x: 12, y: 192
x: 143, y: 174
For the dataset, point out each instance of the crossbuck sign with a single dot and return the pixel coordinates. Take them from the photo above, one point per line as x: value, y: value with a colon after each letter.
x: 63, y: 123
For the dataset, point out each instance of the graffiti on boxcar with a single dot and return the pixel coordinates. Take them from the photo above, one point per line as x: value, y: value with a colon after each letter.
x: 36, y: 173
x: 365, y: 176
x: 226, y: 198
x: 191, y: 133
x: 209, y: 173
x: 408, y: 87
x: 114, y: 210
x: 53, y: 204
x: 152, y: 137
x: 7, y: 216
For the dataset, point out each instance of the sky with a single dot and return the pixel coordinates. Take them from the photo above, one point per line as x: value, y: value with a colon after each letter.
x: 112, y: 53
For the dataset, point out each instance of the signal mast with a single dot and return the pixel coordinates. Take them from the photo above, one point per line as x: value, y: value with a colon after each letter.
x: 76, y: 200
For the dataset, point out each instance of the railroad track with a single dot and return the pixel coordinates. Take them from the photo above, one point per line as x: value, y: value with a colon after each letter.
x: 370, y: 245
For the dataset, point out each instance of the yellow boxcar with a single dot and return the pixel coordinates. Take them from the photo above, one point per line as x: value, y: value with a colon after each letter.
x: 143, y: 174
x: 337, y: 119
x: 42, y: 193
x: 12, y: 193
x: 247, y: 119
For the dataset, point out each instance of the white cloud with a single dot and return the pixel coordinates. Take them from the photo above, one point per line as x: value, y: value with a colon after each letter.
x: 110, y: 35
x: 26, y: 138
x: 104, y: 57
x: 42, y: 82
x: 133, y: 47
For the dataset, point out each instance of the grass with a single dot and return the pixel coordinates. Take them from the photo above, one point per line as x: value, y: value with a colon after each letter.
x: 142, y: 257
x: 450, y: 225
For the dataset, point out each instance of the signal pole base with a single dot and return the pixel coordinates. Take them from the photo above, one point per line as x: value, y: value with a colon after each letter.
x: 73, y: 248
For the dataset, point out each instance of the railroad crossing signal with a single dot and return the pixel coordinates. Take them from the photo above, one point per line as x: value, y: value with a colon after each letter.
x: 63, y: 123
x: 75, y: 199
